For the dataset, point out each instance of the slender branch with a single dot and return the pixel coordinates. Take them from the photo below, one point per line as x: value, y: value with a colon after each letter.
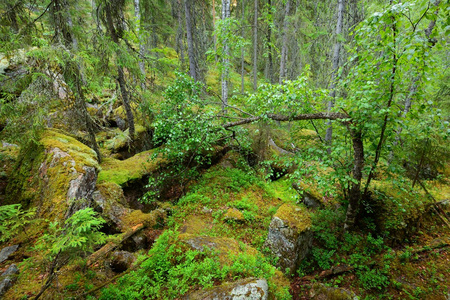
x: 285, y: 118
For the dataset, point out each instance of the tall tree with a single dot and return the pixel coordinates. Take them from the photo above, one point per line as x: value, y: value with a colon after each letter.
x: 137, y: 15
x: 284, y: 49
x: 190, y: 39
x: 242, y: 50
x: 73, y: 71
x: 255, y: 46
x: 335, y: 65
x: 226, y: 55
x: 114, y: 22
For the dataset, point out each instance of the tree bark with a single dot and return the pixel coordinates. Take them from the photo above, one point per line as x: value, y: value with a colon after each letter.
x: 190, y: 39
x: 284, y: 50
x: 214, y: 26
x: 121, y: 77
x: 180, y: 34
x: 255, y: 47
x: 335, y: 62
x: 74, y: 71
x: 269, y: 48
x: 225, y: 59
x: 137, y: 15
x: 242, y: 50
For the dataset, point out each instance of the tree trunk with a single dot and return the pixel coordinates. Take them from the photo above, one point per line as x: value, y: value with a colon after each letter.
x: 226, y: 58
x: 214, y: 26
x: 335, y: 61
x: 242, y: 50
x: 190, y: 39
x: 137, y: 15
x: 180, y: 34
x: 413, y: 88
x: 74, y: 71
x: 269, y: 48
x: 284, y: 50
x: 255, y: 47
x: 355, y: 191
x: 121, y: 76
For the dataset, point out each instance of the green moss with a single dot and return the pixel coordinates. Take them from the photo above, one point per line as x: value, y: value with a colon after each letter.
x: 283, y: 190
x: 122, y: 138
x: 233, y: 215
x: 137, y: 217
x: 397, y: 207
x: 123, y: 171
x: 297, y: 216
x: 79, y: 152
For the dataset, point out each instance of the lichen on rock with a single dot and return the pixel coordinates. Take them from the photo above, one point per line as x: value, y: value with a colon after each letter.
x: 53, y: 175
x: 290, y: 235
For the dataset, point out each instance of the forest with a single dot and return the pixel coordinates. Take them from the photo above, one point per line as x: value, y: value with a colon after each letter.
x: 225, y: 149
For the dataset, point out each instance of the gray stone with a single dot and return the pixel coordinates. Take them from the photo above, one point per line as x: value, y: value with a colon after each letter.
x: 6, y: 252
x: 8, y: 278
x: 249, y: 288
x: 80, y: 190
x: 290, y: 236
x: 111, y: 209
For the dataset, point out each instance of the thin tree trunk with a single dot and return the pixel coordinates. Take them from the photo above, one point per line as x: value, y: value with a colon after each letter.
x: 335, y: 61
x: 284, y: 50
x: 226, y: 58
x: 255, y: 47
x: 137, y: 15
x: 242, y: 50
x: 214, y: 26
x: 75, y: 72
x: 269, y: 45
x: 355, y: 191
x: 121, y: 76
x: 190, y: 39
x: 180, y: 34
x: 414, y: 87
x: 386, y: 116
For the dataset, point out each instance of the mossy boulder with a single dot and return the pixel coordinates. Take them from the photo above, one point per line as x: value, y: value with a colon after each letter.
x: 122, y: 172
x: 226, y: 248
x: 248, y: 288
x: 233, y: 254
x: 323, y: 292
x: 111, y: 202
x: 290, y: 235
x: 55, y: 175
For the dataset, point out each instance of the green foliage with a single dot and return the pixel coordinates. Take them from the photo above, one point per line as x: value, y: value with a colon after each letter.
x: 186, y: 126
x: 13, y: 219
x: 170, y: 271
x: 79, y: 233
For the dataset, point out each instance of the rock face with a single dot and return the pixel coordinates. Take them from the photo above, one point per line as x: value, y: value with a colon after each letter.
x: 8, y: 278
x: 290, y: 236
x: 245, y: 289
x: 323, y: 292
x: 57, y: 175
x: 6, y: 252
